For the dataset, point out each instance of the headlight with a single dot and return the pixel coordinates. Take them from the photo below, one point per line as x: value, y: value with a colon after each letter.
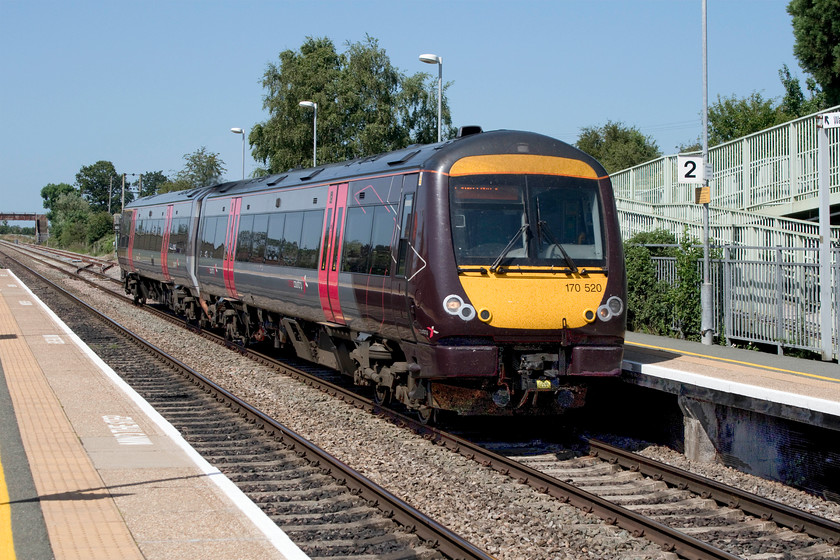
x: 612, y: 308
x: 604, y: 313
x: 451, y: 304
x: 616, y: 305
x: 454, y: 305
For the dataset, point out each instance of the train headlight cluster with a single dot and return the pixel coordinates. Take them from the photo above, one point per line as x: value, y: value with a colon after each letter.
x: 612, y: 308
x: 454, y: 305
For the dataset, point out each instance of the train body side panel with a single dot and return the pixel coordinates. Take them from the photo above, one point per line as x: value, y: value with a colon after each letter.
x: 274, y: 262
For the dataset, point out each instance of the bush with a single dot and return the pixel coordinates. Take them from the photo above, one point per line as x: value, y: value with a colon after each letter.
x: 98, y: 226
x: 656, y: 306
x: 647, y: 297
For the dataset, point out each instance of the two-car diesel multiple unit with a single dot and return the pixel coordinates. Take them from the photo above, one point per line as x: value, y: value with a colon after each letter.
x: 482, y: 275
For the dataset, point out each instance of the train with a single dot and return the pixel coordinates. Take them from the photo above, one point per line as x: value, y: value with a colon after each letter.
x: 482, y: 275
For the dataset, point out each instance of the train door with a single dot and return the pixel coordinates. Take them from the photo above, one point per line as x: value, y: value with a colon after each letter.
x: 400, y: 298
x: 130, y: 216
x: 164, y: 246
x: 328, y: 262
x: 231, y: 235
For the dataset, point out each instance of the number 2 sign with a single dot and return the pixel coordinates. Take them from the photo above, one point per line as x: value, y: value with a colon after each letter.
x: 690, y: 169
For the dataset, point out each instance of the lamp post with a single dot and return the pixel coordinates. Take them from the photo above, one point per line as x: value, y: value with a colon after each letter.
x: 707, y: 320
x: 435, y: 59
x: 313, y: 105
x: 242, y: 132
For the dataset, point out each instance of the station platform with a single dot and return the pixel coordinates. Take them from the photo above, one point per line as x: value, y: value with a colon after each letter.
x: 792, y: 388
x: 89, y: 470
x: 773, y: 416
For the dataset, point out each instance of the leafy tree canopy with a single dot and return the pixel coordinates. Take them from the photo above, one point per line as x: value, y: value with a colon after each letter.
x: 365, y: 105
x: 202, y: 169
x: 616, y: 146
x: 816, y: 30
x: 731, y: 117
x: 99, y: 183
x: 795, y: 104
x: 50, y: 194
x: 152, y: 180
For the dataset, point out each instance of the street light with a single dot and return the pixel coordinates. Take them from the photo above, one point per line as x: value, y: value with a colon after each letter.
x: 242, y: 132
x: 435, y: 59
x: 313, y: 105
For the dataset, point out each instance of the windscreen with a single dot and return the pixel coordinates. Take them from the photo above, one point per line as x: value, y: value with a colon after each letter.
x: 526, y: 220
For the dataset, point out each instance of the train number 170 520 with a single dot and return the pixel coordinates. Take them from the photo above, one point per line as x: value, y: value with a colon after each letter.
x: 588, y: 288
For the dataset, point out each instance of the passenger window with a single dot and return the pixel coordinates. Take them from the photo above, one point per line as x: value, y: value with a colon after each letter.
x: 220, y: 238
x: 384, y: 224
x: 258, y: 240
x: 243, y: 241
x: 357, y: 240
x: 310, y: 240
x: 405, y: 231
x: 291, y: 238
x: 274, y: 239
x: 207, y: 234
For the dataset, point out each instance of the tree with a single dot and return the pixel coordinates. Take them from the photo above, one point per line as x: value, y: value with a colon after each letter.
x: 731, y: 117
x: 152, y: 180
x: 176, y: 185
x: 99, y: 225
x: 616, y: 146
x: 794, y: 103
x: 95, y: 185
x: 50, y: 193
x: 365, y: 105
x: 816, y: 30
x: 202, y: 169
x: 69, y: 226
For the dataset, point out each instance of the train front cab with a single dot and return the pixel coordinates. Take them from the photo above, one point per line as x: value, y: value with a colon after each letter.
x: 534, y: 303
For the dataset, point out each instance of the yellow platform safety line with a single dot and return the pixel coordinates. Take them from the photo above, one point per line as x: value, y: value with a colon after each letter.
x: 739, y: 362
x: 7, y: 544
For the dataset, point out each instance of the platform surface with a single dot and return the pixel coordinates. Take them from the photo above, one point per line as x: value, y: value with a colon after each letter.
x: 89, y: 470
x: 795, y: 383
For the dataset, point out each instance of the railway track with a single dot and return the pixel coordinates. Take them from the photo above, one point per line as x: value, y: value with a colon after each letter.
x: 647, y: 499
x: 328, y: 509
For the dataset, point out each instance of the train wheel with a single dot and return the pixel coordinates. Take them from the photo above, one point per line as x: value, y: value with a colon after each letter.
x: 382, y: 395
x: 427, y: 415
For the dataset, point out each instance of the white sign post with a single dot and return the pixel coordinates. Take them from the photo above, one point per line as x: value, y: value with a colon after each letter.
x: 826, y: 121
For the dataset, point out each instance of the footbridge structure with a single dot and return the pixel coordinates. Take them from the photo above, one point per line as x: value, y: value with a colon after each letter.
x: 763, y: 226
x: 42, y: 231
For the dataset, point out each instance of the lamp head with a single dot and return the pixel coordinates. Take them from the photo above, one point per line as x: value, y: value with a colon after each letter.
x: 430, y: 58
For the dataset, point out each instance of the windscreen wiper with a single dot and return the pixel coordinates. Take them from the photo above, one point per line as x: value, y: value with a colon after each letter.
x: 508, y: 247
x: 542, y: 228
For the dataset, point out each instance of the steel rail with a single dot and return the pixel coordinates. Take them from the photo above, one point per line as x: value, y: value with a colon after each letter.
x: 769, y: 510
x: 442, y: 538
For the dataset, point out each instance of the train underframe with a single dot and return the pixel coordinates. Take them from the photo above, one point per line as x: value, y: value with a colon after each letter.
x: 530, y: 379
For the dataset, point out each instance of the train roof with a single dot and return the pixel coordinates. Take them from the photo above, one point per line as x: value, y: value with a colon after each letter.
x: 417, y: 156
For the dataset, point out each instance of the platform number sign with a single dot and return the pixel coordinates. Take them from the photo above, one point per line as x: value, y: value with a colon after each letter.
x: 690, y: 169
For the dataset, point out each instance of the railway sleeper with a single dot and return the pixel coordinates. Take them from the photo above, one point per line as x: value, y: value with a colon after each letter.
x: 755, y: 527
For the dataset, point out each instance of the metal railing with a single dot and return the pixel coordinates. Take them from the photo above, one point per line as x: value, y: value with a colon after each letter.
x: 773, y: 171
x: 766, y: 285
x: 769, y: 296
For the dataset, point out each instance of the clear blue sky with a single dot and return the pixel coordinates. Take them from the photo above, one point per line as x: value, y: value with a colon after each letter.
x: 141, y: 84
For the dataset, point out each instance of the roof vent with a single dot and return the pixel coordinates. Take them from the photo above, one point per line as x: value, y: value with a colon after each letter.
x: 469, y: 130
